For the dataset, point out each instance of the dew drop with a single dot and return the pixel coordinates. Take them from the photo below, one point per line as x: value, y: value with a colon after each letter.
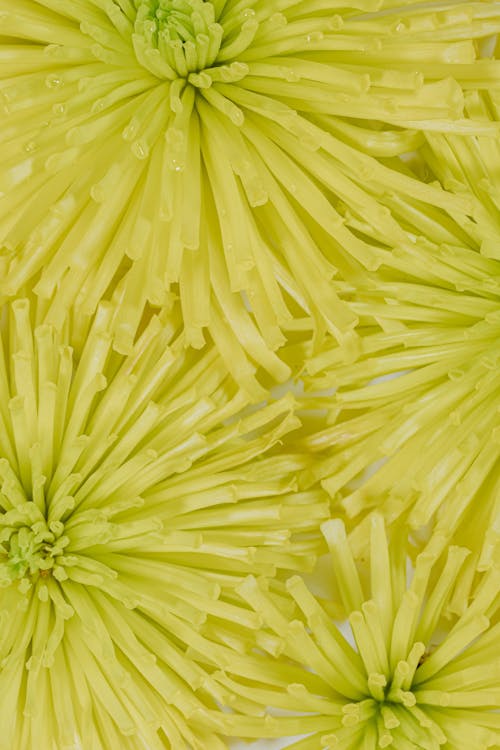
x: 236, y: 116
x: 98, y: 106
x: 140, y: 149
x: 53, y: 81
x: 315, y: 36
x: 130, y: 131
x: 336, y: 22
x: 291, y: 76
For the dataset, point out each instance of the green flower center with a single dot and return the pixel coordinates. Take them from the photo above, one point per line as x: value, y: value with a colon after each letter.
x: 182, y: 33
x: 390, y: 702
x: 29, y: 544
x: 185, y: 39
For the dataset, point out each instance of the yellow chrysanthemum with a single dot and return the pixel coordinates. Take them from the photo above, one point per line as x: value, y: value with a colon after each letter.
x: 399, y: 675
x: 414, y: 420
x: 134, y: 500
x: 164, y: 148
x: 414, y: 417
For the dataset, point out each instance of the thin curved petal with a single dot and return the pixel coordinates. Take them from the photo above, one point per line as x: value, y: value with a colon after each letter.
x: 202, y: 151
x: 136, y: 495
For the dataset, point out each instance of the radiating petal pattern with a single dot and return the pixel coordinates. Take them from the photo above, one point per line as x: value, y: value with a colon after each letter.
x: 135, y: 498
x: 413, y: 425
x: 414, y: 420
x: 180, y: 149
x: 401, y: 675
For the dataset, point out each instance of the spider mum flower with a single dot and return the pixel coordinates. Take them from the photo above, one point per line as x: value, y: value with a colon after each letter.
x: 414, y: 419
x: 414, y: 428
x: 165, y: 148
x: 403, y: 677
x: 133, y: 502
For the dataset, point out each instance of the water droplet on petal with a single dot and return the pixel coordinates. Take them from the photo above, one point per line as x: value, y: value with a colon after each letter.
x: 336, y: 22
x: 140, y: 149
x: 98, y: 106
x: 130, y: 131
x: 53, y: 81
x: 315, y: 36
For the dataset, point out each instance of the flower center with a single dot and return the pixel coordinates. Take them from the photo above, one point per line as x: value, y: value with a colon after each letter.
x: 178, y: 37
x: 29, y: 544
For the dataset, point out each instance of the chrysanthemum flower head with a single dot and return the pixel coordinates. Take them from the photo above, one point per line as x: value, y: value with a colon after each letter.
x: 413, y: 419
x: 197, y: 149
x: 414, y: 428
x: 134, y: 499
x: 400, y: 675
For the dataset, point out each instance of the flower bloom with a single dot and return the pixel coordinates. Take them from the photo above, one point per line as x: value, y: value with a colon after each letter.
x: 414, y: 430
x: 134, y: 500
x: 413, y: 427
x: 164, y: 149
x: 402, y: 675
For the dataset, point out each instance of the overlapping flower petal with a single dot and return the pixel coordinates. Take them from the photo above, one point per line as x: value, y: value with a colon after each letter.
x: 414, y: 420
x: 402, y: 674
x: 134, y: 499
x: 164, y: 149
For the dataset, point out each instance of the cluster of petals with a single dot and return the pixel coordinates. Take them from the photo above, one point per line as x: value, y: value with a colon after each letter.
x: 249, y: 393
